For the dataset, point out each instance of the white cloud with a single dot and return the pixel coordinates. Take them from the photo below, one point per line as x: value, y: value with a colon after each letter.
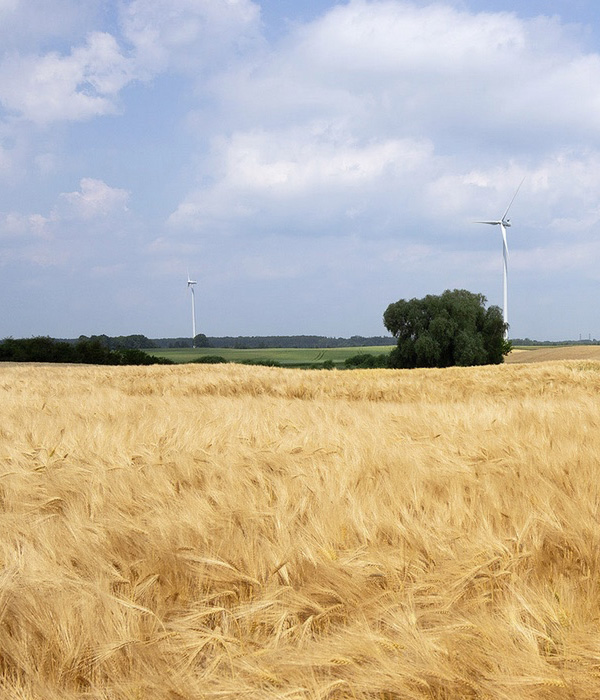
x: 15, y: 225
x: 296, y: 161
x: 382, y: 38
x: 395, y: 69
x: 264, y: 173
x: 77, y: 227
x: 397, y: 115
x: 95, y: 200
x: 392, y: 62
x: 189, y: 33
x: 83, y: 80
x: 54, y: 87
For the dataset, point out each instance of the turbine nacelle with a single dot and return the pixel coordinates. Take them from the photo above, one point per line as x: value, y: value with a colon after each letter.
x: 505, y: 222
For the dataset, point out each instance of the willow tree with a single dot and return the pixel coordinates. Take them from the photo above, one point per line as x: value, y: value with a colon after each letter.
x: 454, y: 328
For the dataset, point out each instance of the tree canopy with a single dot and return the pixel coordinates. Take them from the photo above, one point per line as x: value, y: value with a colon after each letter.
x: 454, y: 328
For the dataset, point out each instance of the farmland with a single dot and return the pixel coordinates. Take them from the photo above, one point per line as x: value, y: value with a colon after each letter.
x: 289, y: 357
x: 250, y: 532
x: 305, y: 357
x: 549, y: 354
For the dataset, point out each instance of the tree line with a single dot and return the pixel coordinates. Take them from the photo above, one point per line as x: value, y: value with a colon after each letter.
x: 85, y: 351
x: 260, y: 342
x: 242, y: 342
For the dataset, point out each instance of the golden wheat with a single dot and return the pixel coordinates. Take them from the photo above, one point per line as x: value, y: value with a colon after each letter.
x: 236, y: 532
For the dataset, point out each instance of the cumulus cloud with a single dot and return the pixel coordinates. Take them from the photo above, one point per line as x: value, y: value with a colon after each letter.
x: 190, y: 33
x: 94, y: 200
x: 15, y: 225
x: 77, y: 227
x: 54, y: 87
x: 85, y: 80
x: 395, y: 66
x: 264, y: 173
x: 274, y: 161
x: 394, y: 114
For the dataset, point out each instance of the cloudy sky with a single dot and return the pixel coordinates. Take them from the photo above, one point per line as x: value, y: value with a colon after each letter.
x: 308, y: 162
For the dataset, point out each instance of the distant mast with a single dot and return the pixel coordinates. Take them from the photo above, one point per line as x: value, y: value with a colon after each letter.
x: 190, y: 284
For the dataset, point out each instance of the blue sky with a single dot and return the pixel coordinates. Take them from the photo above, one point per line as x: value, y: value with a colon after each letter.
x: 308, y: 163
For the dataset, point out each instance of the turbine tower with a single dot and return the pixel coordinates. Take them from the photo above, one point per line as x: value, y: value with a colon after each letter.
x: 504, y: 223
x: 190, y: 284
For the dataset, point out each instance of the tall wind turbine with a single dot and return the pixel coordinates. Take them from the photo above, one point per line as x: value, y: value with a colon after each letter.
x: 504, y: 223
x: 190, y: 284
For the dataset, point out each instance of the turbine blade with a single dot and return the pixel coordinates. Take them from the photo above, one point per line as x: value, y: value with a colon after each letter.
x: 492, y: 223
x: 512, y: 200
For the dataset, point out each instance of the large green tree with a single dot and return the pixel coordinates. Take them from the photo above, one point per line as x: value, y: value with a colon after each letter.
x: 454, y: 328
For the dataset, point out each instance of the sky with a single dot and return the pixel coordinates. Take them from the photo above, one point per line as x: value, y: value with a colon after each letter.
x: 307, y: 163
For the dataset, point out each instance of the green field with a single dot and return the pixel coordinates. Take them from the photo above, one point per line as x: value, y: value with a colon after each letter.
x: 289, y: 357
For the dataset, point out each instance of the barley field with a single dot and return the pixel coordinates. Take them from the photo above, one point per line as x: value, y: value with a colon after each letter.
x: 545, y: 354
x: 173, y: 533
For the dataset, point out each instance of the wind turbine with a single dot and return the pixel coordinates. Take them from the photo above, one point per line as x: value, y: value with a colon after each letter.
x: 190, y: 284
x: 504, y: 223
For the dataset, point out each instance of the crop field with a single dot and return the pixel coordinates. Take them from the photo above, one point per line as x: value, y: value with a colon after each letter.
x: 192, y: 531
x: 564, y: 352
x: 305, y: 357
x: 285, y: 356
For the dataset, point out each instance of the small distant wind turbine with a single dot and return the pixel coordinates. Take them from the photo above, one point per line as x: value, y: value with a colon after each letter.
x: 190, y: 284
x: 504, y: 223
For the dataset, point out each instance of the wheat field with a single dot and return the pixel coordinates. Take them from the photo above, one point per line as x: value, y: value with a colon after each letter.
x: 172, y: 533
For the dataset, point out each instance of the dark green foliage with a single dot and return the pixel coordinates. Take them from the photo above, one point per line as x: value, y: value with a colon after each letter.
x: 440, y: 331
x: 41, y: 348
x: 367, y: 361
x: 201, y: 341
x: 122, y: 342
x: 210, y: 360
x: 329, y: 364
x: 239, y: 342
x: 132, y: 356
x: 91, y: 352
x: 86, y: 350
x: 274, y: 341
